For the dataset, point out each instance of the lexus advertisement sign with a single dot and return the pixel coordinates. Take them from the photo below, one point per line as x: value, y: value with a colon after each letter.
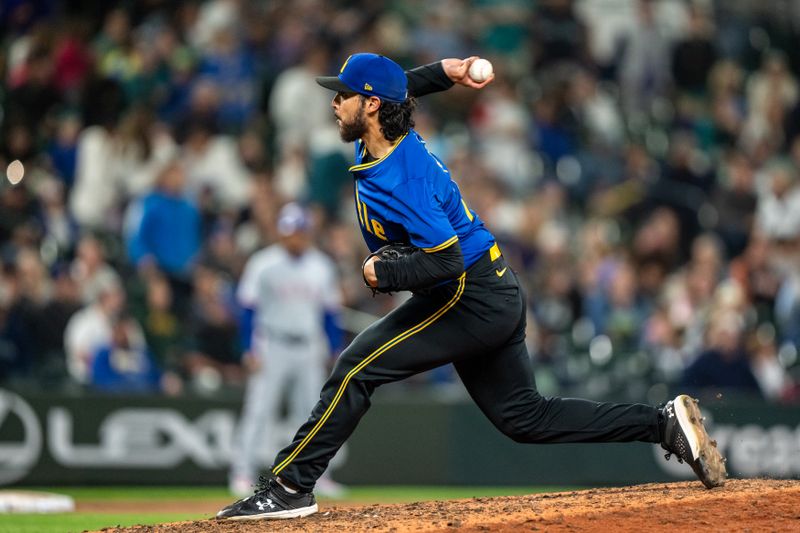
x: 52, y: 440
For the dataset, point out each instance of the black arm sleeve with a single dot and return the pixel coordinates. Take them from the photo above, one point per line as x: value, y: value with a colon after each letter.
x: 427, y: 79
x: 420, y: 269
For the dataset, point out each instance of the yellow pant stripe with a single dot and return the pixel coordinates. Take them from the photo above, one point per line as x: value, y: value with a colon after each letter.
x: 371, y: 357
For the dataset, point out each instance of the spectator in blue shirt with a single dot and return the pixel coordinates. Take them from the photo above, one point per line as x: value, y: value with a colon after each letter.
x: 166, y: 234
x: 124, y: 366
x: 724, y: 363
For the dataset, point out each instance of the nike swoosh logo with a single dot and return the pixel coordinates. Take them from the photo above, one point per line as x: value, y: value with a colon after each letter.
x: 500, y: 272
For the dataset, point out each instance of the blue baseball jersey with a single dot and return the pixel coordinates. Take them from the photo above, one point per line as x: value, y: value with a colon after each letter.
x: 408, y: 196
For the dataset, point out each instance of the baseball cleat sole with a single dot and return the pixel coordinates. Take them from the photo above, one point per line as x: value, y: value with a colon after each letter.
x: 279, y: 515
x: 708, y: 463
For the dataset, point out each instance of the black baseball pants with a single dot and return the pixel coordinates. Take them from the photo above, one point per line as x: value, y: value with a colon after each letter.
x: 477, y: 323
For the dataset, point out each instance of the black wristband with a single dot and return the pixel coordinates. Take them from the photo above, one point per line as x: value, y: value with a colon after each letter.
x: 428, y: 79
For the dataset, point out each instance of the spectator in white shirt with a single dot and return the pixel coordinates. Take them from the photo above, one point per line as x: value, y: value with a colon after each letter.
x: 778, y: 211
x: 90, y: 329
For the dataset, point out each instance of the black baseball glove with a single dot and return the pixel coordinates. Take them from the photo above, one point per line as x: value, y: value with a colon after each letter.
x: 390, y: 252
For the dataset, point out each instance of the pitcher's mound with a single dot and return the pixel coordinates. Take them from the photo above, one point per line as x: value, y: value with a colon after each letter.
x: 741, y: 505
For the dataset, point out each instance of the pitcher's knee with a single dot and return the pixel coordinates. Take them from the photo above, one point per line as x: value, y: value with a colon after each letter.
x: 347, y: 361
x: 349, y: 371
x: 516, y: 433
x: 524, y: 423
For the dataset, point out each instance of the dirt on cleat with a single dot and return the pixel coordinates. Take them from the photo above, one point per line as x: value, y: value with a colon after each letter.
x: 710, y: 465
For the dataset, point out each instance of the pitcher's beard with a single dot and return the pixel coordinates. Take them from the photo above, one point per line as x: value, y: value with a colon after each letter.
x: 354, y: 130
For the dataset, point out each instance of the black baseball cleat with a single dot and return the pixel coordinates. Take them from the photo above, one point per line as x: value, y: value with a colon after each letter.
x: 685, y: 436
x: 270, y: 502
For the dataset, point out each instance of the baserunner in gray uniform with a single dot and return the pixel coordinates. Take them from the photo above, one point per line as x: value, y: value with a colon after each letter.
x: 287, y: 288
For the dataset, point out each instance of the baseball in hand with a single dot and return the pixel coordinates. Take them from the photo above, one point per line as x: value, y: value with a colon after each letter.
x: 480, y: 70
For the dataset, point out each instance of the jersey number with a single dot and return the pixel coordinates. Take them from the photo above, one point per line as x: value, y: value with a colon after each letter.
x: 370, y: 224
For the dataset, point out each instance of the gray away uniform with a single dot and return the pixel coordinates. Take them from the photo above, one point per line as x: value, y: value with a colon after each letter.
x: 289, y: 296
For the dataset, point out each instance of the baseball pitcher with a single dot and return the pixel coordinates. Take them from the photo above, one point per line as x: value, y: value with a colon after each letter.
x: 466, y: 308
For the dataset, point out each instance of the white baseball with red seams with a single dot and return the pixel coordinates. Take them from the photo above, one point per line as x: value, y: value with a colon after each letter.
x: 480, y: 70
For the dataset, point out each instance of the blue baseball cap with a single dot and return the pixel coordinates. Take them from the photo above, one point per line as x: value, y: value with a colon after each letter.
x: 370, y: 75
x: 292, y: 218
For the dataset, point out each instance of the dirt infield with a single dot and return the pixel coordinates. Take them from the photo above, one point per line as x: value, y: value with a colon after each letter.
x: 742, y: 505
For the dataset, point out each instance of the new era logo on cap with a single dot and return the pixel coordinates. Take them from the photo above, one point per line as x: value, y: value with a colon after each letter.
x: 369, y: 74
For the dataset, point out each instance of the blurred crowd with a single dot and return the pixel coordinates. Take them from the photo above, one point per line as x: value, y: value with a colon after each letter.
x: 638, y: 161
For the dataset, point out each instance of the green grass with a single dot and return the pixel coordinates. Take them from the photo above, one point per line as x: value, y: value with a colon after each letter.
x: 78, y: 522
x: 63, y: 523
x: 138, y: 493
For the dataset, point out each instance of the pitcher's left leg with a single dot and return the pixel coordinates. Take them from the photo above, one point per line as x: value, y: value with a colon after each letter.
x: 423, y: 333
x: 502, y: 384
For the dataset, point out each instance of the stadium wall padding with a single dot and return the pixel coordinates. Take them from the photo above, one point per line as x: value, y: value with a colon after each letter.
x: 409, y: 438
